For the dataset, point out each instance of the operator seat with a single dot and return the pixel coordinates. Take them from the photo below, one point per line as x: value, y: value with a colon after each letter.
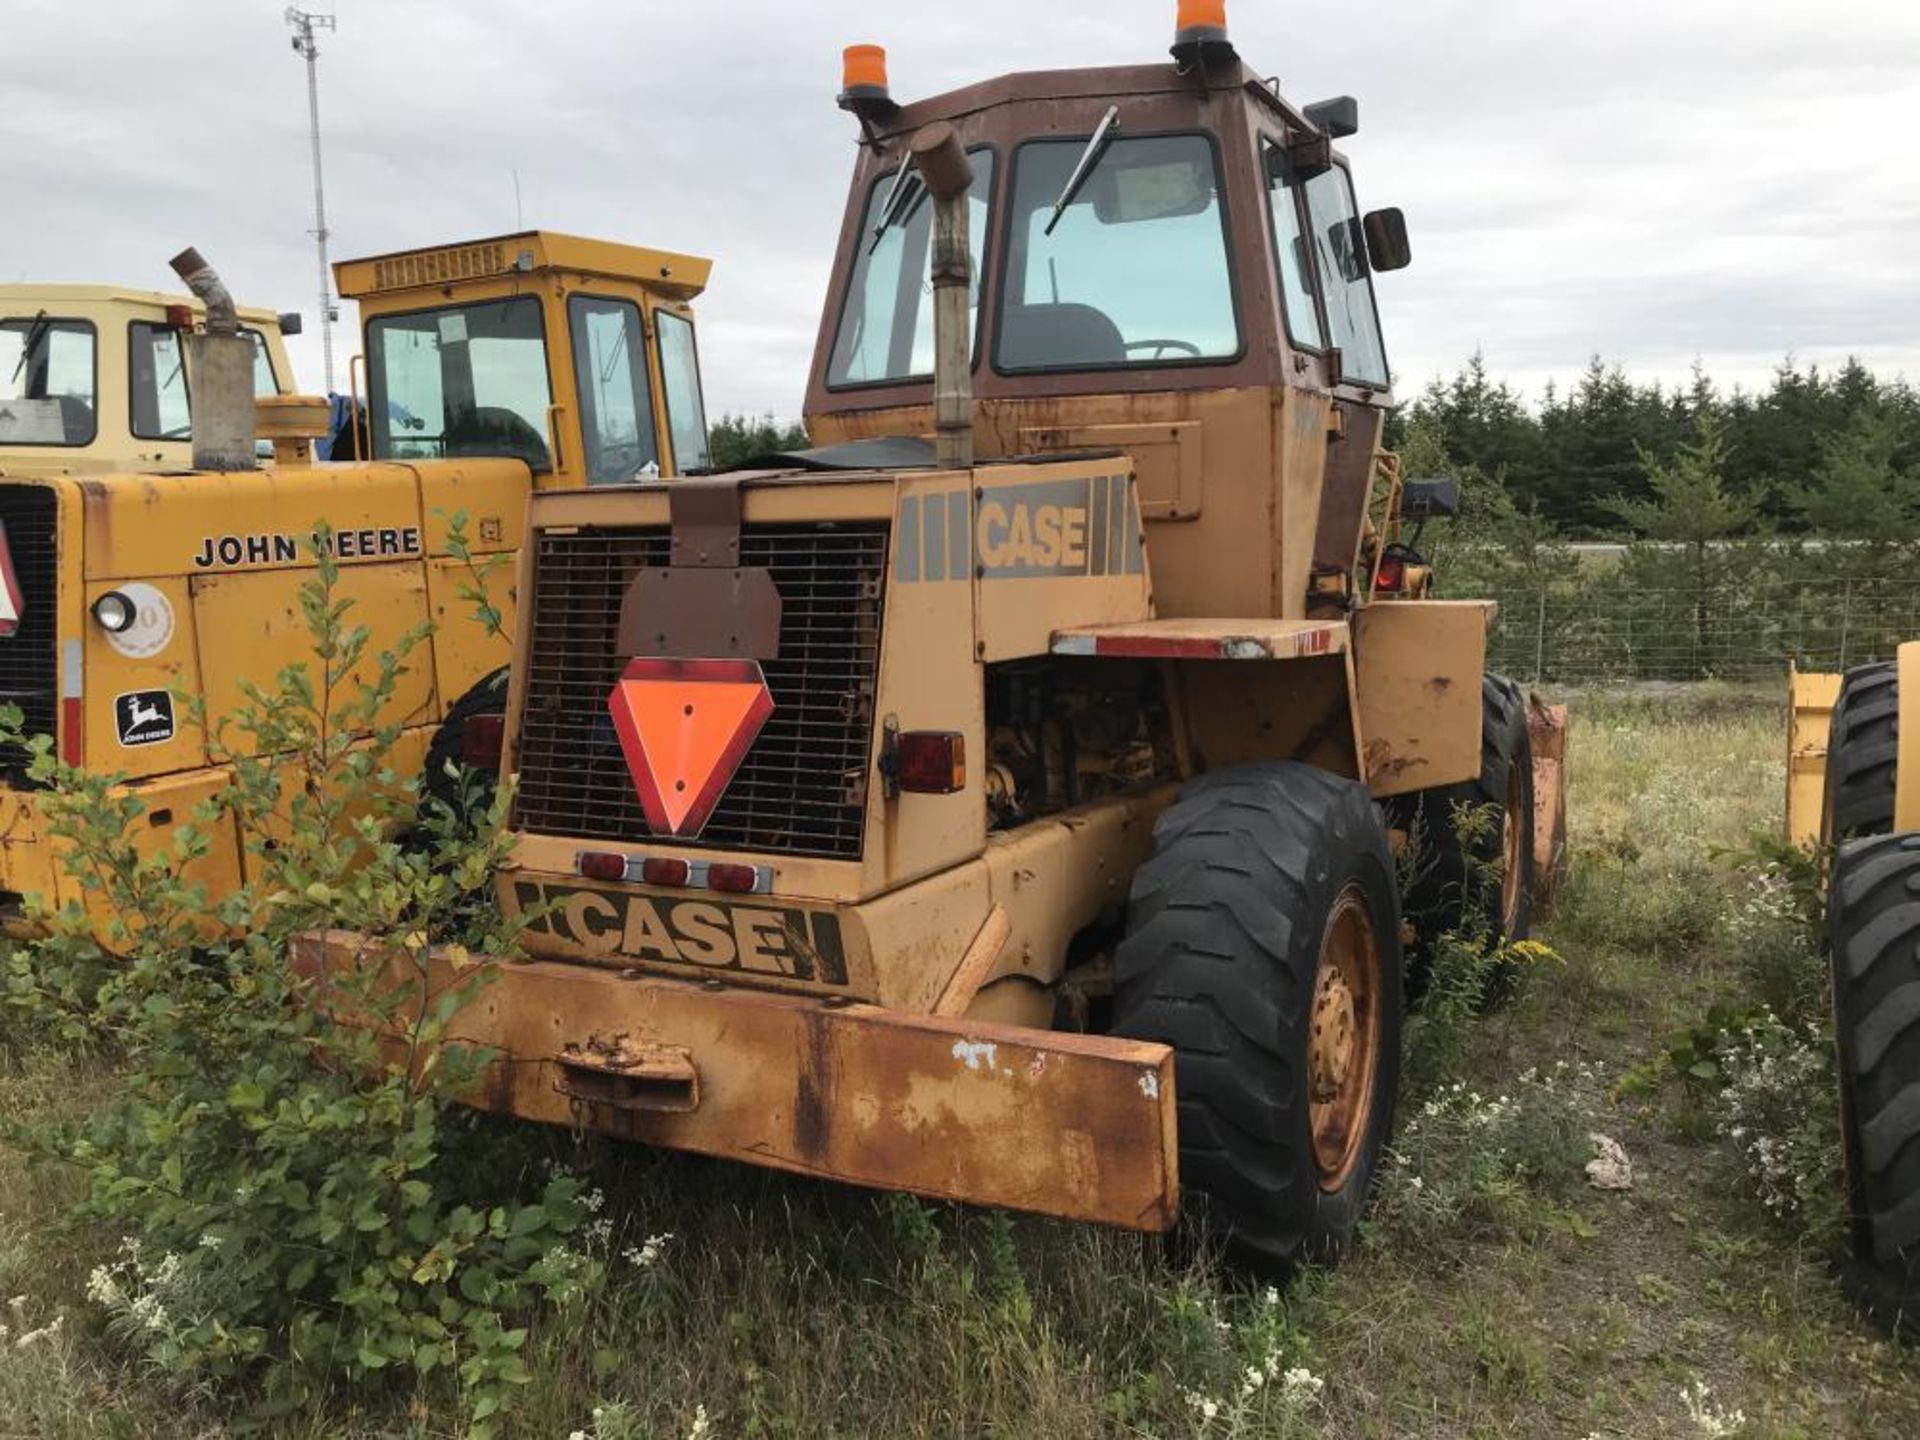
x: 77, y: 422
x: 1042, y: 337
x: 494, y: 430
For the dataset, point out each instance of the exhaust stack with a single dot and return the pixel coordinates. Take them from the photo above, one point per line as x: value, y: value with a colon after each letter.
x: 943, y: 165
x: 220, y: 364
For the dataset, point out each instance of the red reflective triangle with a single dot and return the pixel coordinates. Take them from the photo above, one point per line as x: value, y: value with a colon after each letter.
x: 685, y: 726
x: 12, y: 607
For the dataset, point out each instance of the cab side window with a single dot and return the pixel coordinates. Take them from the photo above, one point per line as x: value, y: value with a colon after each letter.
x: 1347, y: 282
x: 616, y: 400
x: 160, y: 408
x: 680, y: 377
x: 1290, y: 251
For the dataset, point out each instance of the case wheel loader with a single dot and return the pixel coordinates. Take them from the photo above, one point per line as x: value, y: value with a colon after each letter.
x: 997, y: 800
x: 1854, y: 791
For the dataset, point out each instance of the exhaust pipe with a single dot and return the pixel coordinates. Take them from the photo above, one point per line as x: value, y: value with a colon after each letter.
x: 948, y: 174
x: 220, y: 367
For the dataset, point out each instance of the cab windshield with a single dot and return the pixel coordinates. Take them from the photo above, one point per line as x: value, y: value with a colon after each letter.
x: 886, y: 323
x: 1135, y: 269
x: 48, y: 381
x: 460, y: 380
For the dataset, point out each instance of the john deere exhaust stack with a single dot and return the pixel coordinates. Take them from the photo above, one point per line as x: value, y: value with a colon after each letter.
x: 220, y: 366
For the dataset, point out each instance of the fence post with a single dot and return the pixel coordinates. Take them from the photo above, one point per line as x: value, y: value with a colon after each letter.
x: 1540, y: 638
x: 1846, y: 620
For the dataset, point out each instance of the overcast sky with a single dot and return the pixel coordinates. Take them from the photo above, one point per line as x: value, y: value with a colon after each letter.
x: 1651, y: 180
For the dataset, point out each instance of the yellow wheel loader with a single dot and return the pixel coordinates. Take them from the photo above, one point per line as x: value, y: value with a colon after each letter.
x: 145, y: 555
x: 1853, y: 791
x: 996, y: 801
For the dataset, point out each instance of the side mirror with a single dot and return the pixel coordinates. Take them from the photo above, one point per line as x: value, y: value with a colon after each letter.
x: 1425, y: 499
x: 1339, y: 117
x: 290, y: 322
x: 1387, y: 245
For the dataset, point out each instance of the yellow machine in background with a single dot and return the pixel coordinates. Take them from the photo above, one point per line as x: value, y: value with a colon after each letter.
x: 1853, y: 795
x: 494, y: 368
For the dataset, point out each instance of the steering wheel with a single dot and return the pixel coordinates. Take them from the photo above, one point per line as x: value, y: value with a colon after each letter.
x: 625, y: 458
x: 1160, y: 347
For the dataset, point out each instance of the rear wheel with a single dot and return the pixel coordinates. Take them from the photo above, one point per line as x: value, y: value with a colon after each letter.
x: 1263, y: 946
x: 1862, y: 746
x: 1873, y: 917
x: 1475, y: 862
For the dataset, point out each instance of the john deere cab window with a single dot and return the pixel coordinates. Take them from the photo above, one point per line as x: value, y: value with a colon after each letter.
x: 263, y: 381
x: 886, y: 324
x: 1134, y: 271
x: 1290, y: 251
x: 49, y: 382
x: 610, y: 374
x: 680, y: 377
x: 158, y: 371
x: 460, y: 380
x: 1346, y: 282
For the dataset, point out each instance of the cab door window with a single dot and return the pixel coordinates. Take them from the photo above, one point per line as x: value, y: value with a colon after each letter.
x: 680, y: 380
x: 161, y: 408
x: 1290, y: 252
x: 611, y: 381
x: 1340, y: 250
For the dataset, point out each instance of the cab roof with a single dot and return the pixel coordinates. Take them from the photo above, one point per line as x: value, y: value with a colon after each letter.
x: 31, y: 297
x: 680, y: 277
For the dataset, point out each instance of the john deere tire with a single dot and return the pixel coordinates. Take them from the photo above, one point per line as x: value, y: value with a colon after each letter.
x: 1480, y: 877
x: 465, y: 790
x: 1263, y: 945
x: 1873, y: 916
x: 1861, y: 748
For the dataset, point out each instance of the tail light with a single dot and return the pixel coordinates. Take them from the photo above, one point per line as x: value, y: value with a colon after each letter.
x: 742, y: 879
x: 1391, y: 574
x: 927, y: 762
x: 482, y: 739
x: 662, y: 871
x: 601, y: 865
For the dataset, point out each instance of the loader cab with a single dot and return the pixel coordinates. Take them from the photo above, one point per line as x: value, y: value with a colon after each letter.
x: 1168, y: 260
x: 577, y: 357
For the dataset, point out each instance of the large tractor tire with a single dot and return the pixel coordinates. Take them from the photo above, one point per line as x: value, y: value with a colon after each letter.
x: 1873, y: 917
x: 1862, y: 746
x: 1478, y: 876
x: 1263, y: 945
x: 452, y: 778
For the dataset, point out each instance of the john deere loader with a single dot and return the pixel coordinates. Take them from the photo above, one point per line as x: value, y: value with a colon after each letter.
x: 997, y: 801
x: 1853, y: 790
x: 146, y: 555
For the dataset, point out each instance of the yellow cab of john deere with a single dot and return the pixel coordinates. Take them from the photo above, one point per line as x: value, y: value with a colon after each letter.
x: 494, y: 368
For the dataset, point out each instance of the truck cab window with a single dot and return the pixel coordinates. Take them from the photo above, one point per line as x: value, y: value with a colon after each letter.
x: 460, y: 380
x: 886, y: 325
x: 1346, y: 281
x: 1135, y: 271
x: 263, y: 381
x: 48, y: 382
x: 680, y: 379
x: 610, y: 376
x: 1290, y: 251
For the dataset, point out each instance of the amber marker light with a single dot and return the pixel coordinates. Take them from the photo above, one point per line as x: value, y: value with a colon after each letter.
x: 1200, y: 32
x: 863, y: 80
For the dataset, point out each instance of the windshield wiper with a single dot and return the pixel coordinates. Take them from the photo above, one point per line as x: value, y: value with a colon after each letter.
x: 895, y: 210
x: 1089, y: 157
x: 36, y: 332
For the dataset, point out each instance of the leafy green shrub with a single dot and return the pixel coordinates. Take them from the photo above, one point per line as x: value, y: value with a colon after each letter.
x: 1776, y: 1109
x: 303, y: 1212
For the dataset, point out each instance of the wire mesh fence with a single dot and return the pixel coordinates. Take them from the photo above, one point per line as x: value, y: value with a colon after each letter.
x: 1602, y: 634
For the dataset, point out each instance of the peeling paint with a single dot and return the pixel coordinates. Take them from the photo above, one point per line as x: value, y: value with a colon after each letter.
x: 1150, y: 1084
x: 1037, y: 1066
x: 975, y: 1054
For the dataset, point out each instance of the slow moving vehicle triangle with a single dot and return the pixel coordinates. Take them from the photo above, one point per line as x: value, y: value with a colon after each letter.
x: 685, y: 726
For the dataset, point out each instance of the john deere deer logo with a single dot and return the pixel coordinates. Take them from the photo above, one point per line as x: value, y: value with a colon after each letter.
x: 143, y: 717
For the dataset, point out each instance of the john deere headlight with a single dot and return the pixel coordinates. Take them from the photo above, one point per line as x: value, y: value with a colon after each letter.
x: 114, y: 611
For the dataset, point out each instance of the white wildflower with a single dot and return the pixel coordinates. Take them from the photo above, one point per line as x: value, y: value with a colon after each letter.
x: 702, y: 1427
x: 1301, y: 1386
x: 45, y: 1332
x: 646, y: 1256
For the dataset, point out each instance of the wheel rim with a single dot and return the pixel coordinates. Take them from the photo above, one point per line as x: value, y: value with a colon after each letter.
x: 1512, y: 858
x: 1343, y: 1038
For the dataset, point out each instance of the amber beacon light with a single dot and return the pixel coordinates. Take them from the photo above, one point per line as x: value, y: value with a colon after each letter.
x: 1200, y: 32
x: 863, y: 80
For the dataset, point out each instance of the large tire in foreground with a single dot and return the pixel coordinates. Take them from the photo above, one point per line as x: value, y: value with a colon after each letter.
x: 451, y: 777
x: 1478, y: 877
x: 1873, y: 917
x: 1263, y: 946
x: 1862, y: 746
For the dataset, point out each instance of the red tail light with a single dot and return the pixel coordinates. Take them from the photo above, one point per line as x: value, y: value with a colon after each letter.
x: 741, y: 878
x: 660, y: 871
x: 931, y: 762
x: 1391, y: 573
x: 601, y: 865
x: 482, y: 739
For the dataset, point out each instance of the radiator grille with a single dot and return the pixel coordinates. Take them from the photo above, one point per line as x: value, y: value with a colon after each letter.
x: 29, y: 667
x: 802, y: 788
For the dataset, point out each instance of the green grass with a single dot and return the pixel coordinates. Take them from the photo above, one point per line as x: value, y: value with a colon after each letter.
x: 791, y: 1308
